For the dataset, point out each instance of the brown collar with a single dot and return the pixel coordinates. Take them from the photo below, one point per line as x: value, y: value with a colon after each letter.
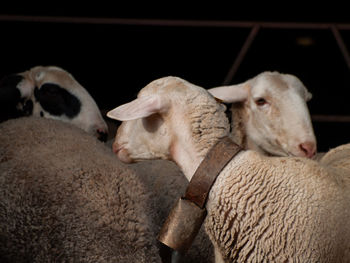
x: 188, y: 214
x: 214, y: 162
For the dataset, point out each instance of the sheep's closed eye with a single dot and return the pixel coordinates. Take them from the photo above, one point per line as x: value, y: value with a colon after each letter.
x: 260, y: 101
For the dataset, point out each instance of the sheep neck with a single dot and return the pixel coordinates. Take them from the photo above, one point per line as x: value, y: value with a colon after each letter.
x: 239, y: 117
x: 238, y: 129
x: 205, y: 124
x: 184, y: 154
x: 204, y: 177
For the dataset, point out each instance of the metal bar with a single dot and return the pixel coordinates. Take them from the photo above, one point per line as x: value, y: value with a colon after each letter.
x: 330, y: 118
x: 341, y: 45
x: 125, y: 21
x: 232, y: 72
x: 169, y: 22
x: 295, y: 25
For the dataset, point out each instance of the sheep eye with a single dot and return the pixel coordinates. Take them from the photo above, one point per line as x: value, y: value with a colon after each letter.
x: 260, y: 102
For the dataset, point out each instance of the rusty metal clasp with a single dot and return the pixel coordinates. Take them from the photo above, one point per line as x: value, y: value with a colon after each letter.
x: 182, y: 225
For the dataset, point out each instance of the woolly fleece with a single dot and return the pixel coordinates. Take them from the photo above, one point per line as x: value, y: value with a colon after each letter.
x: 65, y: 198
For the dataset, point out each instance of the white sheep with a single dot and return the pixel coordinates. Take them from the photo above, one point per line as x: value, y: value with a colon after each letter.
x: 51, y: 92
x: 260, y: 209
x: 64, y: 198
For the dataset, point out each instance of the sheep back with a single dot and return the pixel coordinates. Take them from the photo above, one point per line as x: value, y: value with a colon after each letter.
x: 65, y: 198
x: 338, y: 158
x: 269, y: 209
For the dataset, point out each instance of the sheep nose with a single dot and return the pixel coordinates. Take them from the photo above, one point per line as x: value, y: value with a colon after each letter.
x: 121, y: 153
x: 308, y: 149
x: 102, y: 135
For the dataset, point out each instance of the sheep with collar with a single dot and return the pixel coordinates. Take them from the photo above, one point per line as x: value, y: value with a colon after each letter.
x: 65, y: 198
x: 50, y: 92
x: 260, y: 209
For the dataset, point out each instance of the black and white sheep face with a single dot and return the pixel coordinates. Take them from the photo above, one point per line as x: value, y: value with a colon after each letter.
x: 51, y: 92
x: 274, y: 112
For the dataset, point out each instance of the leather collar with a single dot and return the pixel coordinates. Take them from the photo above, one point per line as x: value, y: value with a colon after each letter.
x: 213, y: 163
x: 186, y: 217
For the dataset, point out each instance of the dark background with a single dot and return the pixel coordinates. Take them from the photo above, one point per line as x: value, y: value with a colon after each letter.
x: 113, y: 59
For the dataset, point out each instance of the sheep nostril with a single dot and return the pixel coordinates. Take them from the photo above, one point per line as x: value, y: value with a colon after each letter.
x: 122, y: 153
x: 102, y: 135
x: 308, y: 148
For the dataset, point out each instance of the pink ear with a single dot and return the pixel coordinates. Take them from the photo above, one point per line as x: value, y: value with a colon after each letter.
x: 230, y: 94
x: 136, y: 109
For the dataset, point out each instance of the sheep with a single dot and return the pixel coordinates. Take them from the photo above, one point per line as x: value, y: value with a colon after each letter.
x: 281, y: 93
x: 270, y: 114
x: 260, y: 208
x: 50, y: 92
x: 64, y: 198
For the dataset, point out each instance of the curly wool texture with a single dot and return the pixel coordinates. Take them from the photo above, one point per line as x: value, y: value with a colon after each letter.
x: 64, y: 197
x: 208, y: 121
x: 265, y: 209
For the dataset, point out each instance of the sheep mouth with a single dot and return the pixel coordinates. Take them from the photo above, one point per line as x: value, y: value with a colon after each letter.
x: 117, y: 147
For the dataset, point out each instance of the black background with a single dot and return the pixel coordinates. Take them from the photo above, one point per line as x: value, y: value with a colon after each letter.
x: 114, y: 61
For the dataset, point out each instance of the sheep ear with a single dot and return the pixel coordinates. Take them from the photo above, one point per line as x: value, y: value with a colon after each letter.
x: 308, y: 96
x: 136, y: 109
x: 231, y: 94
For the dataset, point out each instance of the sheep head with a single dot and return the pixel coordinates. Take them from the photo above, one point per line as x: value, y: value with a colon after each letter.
x: 274, y: 114
x: 53, y: 93
x: 171, y: 119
